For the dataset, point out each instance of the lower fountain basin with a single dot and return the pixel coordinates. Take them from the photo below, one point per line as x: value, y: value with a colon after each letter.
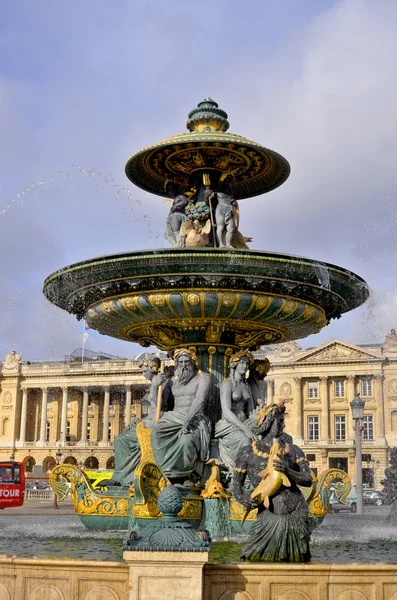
x: 173, y: 297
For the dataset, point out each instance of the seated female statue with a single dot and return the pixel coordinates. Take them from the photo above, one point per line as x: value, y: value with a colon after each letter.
x: 234, y: 430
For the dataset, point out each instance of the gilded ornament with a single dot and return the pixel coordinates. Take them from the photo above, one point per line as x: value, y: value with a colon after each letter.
x: 290, y: 306
x: 86, y: 501
x: 213, y: 486
x: 240, y: 354
x: 193, y: 299
x: 129, y: 302
x: 158, y: 299
x: 237, y: 510
x: 190, y: 351
x: 228, y: 299
x: 143, y: 434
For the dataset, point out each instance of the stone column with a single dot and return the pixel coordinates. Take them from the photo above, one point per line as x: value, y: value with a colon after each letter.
x: 64, y: 414
x: 351, y: 390
x: 379, y: 399
x: 43, y: 418
x: 324, y: 395
x: 84, y: 417
x: 270, y: 390
x: 24, y: 412
x: 128, y: 396
x: 106, y: 404
x: 298, y: 439
x: 164, y: 575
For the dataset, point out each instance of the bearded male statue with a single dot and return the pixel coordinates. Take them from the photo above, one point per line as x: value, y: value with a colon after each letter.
x: 181, y: 437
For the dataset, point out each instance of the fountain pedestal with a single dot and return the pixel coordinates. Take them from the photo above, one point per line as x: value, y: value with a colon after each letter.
x: 165, y: 575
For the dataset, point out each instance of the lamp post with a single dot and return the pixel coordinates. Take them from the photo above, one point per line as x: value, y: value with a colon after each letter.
x: 357, y: 406
x: 58, y: 457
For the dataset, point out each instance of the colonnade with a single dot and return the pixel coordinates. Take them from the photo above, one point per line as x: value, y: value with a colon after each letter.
x: 66, y: 390
x: 299, y: 408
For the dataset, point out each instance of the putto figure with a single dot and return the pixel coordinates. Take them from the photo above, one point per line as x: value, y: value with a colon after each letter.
x: 281, y: 532
x: 225, y: 212
x: 181, y: 437
x: 176, y: 216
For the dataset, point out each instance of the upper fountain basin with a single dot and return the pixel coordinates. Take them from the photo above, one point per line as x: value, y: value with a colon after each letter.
x: 173, y: 297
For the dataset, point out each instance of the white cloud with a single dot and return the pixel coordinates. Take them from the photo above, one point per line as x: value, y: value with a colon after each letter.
x: 98, y: 86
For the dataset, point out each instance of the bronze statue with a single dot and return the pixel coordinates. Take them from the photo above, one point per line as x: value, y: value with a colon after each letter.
x: 176, y: 216
x: 235, y: 429
x: 180, y: 439
x: 281, y: 532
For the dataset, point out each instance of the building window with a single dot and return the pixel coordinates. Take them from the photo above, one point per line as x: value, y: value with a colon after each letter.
x: 339, y: 388
x: 47, y: 431
x: 312, y: 428
x: 314, y: 471
x: 110, y: 432
x: 340, y: 427
x: 312, y: 389
x: 366, y: 387
x: 88, y: 432
x: 368, y: 427
x: 311, y: 457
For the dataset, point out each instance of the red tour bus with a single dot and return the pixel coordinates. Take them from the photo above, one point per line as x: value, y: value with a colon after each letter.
x: 12, y: 483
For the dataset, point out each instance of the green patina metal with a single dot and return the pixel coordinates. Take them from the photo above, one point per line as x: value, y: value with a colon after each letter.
x: 214, y: 298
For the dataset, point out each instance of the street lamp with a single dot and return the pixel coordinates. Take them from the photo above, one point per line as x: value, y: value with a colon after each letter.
x: 58, y: 457
x: 357, y: 406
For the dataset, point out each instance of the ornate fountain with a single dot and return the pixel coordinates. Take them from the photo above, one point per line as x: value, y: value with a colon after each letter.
x: 209, y: 294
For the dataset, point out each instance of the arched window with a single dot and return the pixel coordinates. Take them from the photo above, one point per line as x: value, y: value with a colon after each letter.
x: 70, y: 460
x: 49, y: 463
x: 110, y: 463
x: 91, y: 462
x: 29, y: 462
x: 393, y: 424
x: 47, y: 431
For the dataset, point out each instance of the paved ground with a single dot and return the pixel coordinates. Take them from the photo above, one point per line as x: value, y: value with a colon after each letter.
x: 40, y: 507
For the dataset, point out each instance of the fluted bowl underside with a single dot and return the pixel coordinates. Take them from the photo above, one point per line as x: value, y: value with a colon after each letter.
x: 172, y: 297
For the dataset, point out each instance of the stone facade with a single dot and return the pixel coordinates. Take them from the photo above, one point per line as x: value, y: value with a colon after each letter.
x: 317, y: 386
x: 77, y: 408
x: 80, y: 407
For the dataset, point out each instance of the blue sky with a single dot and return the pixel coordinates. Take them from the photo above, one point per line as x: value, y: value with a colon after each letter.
x: 83, y: 85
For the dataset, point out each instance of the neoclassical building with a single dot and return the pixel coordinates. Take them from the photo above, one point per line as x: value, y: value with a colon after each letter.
x: 78, y: 408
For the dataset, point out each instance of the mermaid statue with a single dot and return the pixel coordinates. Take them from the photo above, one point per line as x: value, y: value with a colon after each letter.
x: 275, y: 468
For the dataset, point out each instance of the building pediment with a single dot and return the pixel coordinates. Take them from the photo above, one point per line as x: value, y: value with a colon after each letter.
x: 337, y: 351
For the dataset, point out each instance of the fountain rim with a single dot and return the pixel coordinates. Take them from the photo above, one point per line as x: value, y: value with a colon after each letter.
x: 131, y: 255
